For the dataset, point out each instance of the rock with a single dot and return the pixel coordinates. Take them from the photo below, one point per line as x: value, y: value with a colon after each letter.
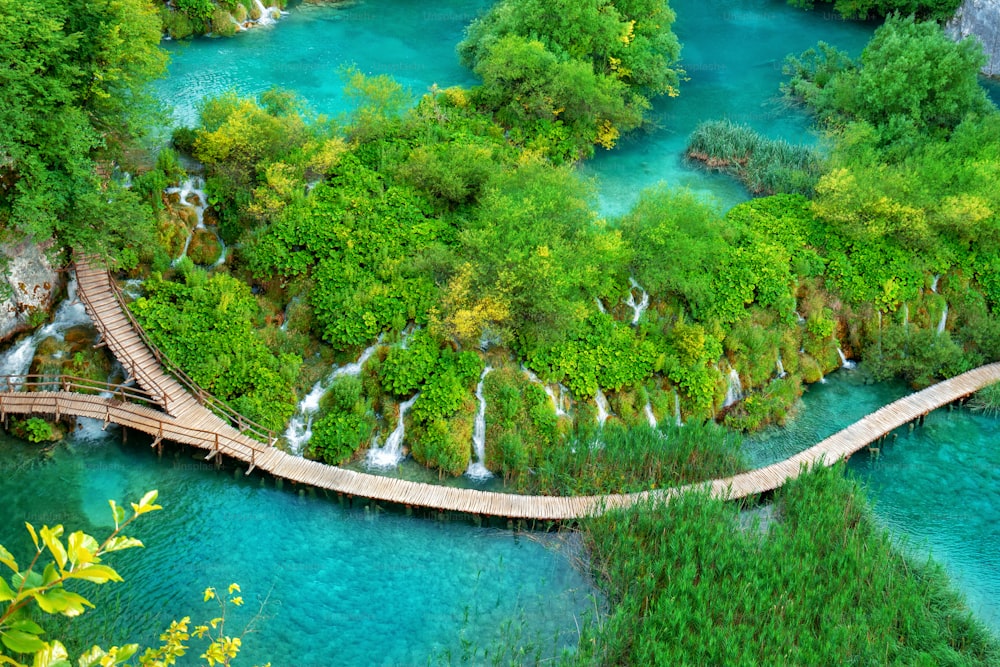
x: 980, y: 18
x: 204, y: 249
x: 28, y: 286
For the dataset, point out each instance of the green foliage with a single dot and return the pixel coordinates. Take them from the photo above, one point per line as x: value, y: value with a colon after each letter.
x: 919, y: 356
x: 938, y: 10
x: 987, y: 400
x: 911, y: 80
x: 206, y: 326
x: 95, y: 59
x: 358, y: 238
x: 346, y: 424
x: 565, y: 75
x: 406, y: 368
x: 38, y: 430
x: 690, y: 582
x: 601, y: 353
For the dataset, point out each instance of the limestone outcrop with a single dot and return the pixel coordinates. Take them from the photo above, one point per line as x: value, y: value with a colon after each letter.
x: 29, y: 285
x: 980, y: 18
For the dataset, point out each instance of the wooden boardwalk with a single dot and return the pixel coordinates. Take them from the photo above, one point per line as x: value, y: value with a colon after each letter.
x: 180, y: 411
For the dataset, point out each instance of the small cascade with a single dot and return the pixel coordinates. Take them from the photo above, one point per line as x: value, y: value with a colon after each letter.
x: 266, y: 13
x: 734, y: 391
x: 477, y: 468
x: 353, y: 369
x: 677, y: 409
x: 17, y: 359
x: 299, y: 429
x: 781, y: 367
x: 944, y: 319
x: 600, y: 305
x: 603, y: 410
x: 192, y: 187
x: 799, y: 318
x: 557, y: 400
x: 95, y: 430
x: 906, y: 317
x: 650, y: 417
x: 391, y: 453
x: 844, y: 361
x: 637, y: 308
x: 934, y: 283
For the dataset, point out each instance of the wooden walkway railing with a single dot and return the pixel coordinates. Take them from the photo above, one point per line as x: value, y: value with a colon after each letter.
x: 189, y: 422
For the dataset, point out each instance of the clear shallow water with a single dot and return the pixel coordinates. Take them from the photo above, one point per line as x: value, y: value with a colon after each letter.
x: 733, y: 54
x: 412, y: 41
x: 936, y: 488
x: 345, y: 586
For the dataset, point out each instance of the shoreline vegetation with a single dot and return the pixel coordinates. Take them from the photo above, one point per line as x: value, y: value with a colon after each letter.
x: 453, y: 234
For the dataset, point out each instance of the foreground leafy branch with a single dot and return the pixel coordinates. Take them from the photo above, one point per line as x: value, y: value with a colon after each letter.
x: 41, y: 587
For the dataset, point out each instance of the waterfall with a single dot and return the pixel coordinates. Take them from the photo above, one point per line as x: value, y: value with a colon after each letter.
x: 17, y: 359
x: 650, y: 417
x: 557, y: 401
x: 477, y: 469
x: 391, y: 453
x: 781, y: 367
x: 637, y: 308
x: 944, y: 319
x: 194, y: 187
x: 799, y: 318
x: 734, y: 391
x: 844, y: 363
x: 906, y: 317
x: 299, y: 429
x: 600, y: 306
x: 934, y: 283
x: 89, y: 429
x: 677, y: 409
x: 602, y: 407
x: 266, y: 13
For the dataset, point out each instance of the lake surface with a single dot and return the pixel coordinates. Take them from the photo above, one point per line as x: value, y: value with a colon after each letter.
x: 733, y: 51
x: 343, y: 586
x: 937, y: 488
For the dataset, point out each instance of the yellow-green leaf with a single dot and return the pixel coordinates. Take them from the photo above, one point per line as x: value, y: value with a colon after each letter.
x: 98, y: 574
x: 6, y: 593
x: 61, y: 601
x: 34, y: 535
x: 121, y: 542
x: 7, y: 558
x: 50, y: 536
x: 52, y: 655
x: 91, y: 657
x: 82, y: 548
x: 117, y: 512
x: 20, y: 641
x: 146, y: 504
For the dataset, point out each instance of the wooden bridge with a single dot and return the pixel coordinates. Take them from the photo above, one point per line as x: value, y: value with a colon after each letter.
x: 172, y: 407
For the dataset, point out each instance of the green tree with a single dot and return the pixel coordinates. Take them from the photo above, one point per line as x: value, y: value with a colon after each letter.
x: 72, y: 93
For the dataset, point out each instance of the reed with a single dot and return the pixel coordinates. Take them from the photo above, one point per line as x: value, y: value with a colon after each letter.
x: 765, y: 166
x: 821, y: 584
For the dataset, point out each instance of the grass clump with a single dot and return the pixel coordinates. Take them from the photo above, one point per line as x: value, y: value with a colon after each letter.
x: 765, y: 166
x: 821, y: 585
x: 987, y: 400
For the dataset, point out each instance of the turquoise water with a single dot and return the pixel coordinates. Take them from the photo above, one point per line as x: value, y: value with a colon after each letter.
x: 412, y: 41
x: 343, y: 586
x: 936, y: 488
x: 732, y: 52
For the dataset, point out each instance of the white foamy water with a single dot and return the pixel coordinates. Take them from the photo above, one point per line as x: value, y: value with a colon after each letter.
x: 734, y: 390
x: 390, y: 454
x: 637, y: 308
x: 299, y: 430
x: 603, y: 410
x: 17, y: 359
x: 477, y: 466
x: 844, y: 361
x: 650, y: 417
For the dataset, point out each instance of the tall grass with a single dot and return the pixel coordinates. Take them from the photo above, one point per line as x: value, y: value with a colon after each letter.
x: 822, y: 585
x: 765, y: 166
x: 617, y: 459
x: 987, y: 400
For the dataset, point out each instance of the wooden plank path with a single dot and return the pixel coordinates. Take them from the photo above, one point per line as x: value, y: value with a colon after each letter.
x: 185, y: 419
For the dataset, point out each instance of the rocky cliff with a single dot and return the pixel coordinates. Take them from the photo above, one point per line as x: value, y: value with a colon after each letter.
x: 30, y: 285
x: 980, y: 18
